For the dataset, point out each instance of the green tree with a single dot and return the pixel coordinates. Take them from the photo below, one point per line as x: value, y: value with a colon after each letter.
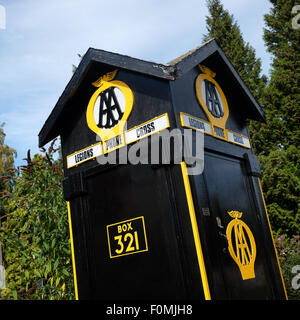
x: 281, y: 184
x: 283, y: 92
x: 289, y: 256
x: 280, y: 154
x: 7, y: 155
x: 35, y: 236
x: 222, y: 26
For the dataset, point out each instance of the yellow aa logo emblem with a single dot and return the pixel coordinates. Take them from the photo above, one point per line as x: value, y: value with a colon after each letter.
x: 241, y: 245
x: 109, y: 106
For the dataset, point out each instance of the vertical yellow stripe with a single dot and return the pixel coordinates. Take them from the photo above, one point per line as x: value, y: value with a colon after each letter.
x: 72, y: 250
x: 195, y: 232
x: 262, y: 195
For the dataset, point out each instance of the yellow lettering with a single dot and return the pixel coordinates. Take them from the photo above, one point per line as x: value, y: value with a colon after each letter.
x: 125, y: 239
x: 133, y: 241
x: 130, y: 247
x: 137, y: 246
x: 120, y: 243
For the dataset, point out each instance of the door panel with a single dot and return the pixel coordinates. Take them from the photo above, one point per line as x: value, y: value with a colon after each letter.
x: 228, y: 190
x: 138, y: 197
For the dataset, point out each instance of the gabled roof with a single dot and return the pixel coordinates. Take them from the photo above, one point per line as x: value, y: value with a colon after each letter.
x: 171, y: 71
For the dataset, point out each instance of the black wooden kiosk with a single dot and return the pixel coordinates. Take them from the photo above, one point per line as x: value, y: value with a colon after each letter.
x: 150, y: 231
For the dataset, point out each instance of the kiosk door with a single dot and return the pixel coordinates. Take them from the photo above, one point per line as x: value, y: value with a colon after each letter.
x: 133, y: 237
x: 234, y: 236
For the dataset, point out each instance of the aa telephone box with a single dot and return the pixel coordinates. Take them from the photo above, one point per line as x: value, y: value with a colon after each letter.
x: 153, y: 231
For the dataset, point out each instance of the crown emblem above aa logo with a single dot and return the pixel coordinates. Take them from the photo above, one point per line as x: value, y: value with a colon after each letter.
x: 241, y: 245
x: 109, y: 106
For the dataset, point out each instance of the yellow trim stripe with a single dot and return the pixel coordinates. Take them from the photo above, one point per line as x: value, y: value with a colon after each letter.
x: 263, y: 198
x: 72, y: 250
x: 195, y: 231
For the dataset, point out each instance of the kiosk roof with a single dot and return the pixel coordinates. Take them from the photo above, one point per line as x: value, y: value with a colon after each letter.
x: 170, y: 72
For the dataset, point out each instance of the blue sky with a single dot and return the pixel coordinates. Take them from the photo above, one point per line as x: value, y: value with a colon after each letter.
x: 42, y: 39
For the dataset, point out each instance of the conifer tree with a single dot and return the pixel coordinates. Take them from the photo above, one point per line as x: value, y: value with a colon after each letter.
x: 222, y: 26
x: 283, y: 92
x: 280, y: 156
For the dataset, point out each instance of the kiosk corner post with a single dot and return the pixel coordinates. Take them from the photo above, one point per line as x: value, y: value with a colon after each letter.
x: 72, y: 250
x: 271, y: 232
x: 195, y: 229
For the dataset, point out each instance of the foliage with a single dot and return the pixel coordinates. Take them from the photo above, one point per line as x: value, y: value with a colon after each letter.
x: 282, y: 97
x: 280, y: 137
x: 289, y: 256
x: 7, y: 155
x: 222, y: 26
x: 35, y: 236
x: 281, y: 183
x: 74, y: 67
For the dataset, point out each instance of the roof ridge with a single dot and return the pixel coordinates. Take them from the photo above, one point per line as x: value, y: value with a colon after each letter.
x: 190, y: 52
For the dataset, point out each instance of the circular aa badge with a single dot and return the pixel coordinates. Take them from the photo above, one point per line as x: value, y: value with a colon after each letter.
x: 109, y: 107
